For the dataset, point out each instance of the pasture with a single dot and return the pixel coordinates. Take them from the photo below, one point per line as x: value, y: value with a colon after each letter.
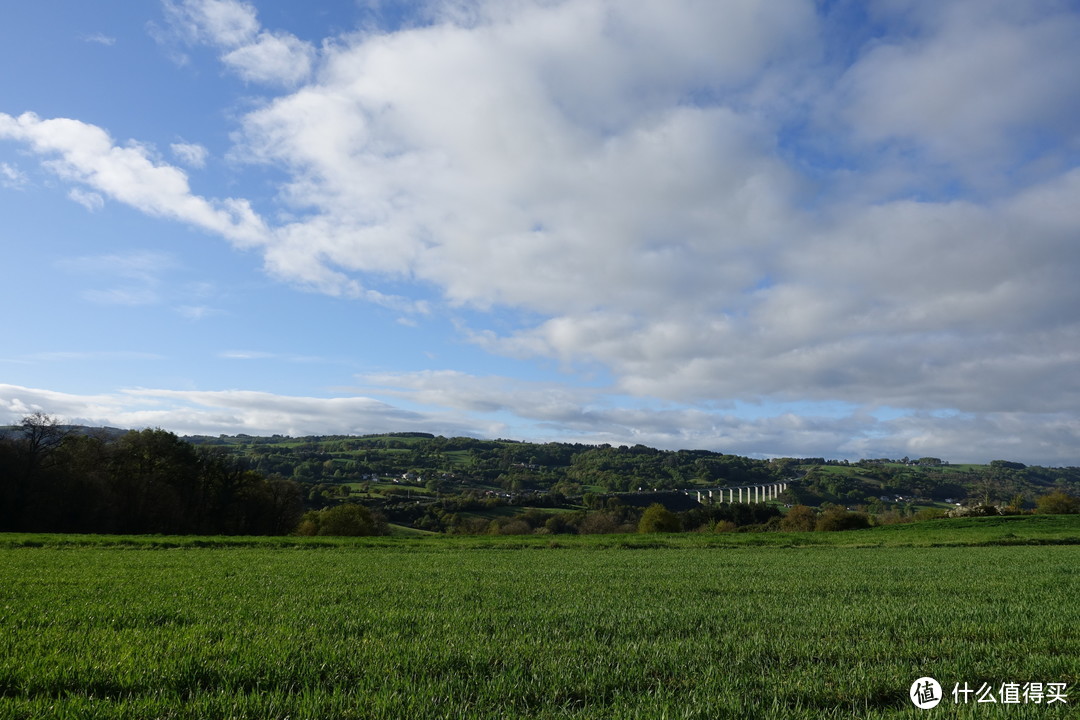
x: 509, y: 627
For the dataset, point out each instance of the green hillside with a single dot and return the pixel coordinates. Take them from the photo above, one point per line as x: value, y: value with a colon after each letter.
x: 406, y: 462
x: 66, y: 479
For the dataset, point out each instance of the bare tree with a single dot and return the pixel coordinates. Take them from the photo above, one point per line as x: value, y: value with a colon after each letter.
x: 41, y: 435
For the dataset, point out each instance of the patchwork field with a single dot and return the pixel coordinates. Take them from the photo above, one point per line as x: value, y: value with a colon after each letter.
x: 494, y: 628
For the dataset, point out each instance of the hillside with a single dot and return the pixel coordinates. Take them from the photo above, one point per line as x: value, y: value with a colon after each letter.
x: 66, y: 479
x: 421, y: 465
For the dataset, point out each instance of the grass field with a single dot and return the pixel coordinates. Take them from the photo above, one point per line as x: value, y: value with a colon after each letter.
x: 817, y: 625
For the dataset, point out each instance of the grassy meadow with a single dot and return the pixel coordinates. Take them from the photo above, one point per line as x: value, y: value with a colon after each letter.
x: 815, y: 625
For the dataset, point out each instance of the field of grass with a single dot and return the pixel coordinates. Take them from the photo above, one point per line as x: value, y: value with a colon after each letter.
x: 835, y: 625
x: 960, y: 532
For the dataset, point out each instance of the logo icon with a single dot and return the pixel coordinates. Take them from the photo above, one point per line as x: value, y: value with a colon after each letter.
x: 925, y: 693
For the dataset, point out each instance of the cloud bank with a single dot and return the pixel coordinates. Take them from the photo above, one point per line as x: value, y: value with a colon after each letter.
x: 458, y: 404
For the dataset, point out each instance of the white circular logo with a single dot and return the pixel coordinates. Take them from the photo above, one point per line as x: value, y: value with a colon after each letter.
x: 925, y: 693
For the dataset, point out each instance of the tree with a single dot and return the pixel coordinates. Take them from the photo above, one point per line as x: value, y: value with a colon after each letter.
x: 837, y: 518
x: 1016, y: 505
x: 658, y: 518
x: 558, y: 524
x: 347, y: 519
x: 1058, y: 502
x: 799, y: 519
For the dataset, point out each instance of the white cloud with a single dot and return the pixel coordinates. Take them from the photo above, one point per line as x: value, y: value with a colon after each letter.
x: 190, y: 154
x: 230, y: 411
x: 221, y: 22
x: 274, y: 58
x: 974, y: 86
x: 483, y: 394
x: 555, y: 412
x: 11, y: 177
x: 617, y: 172
x: 85, y: 154
x: 711, y: 201
x: 520, y: 186
x: 100, y: 39
x: 92, y: 201
x: 547, y: 412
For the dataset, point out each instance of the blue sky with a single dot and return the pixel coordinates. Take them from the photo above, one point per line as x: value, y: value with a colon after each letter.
x: 772, y: 227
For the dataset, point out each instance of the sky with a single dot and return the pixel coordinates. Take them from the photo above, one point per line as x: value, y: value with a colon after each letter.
x: 762, y: 227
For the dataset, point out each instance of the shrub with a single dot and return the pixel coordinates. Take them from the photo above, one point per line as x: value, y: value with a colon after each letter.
x: 799, y: 519
x: 558, y: 524
x: 658, y: 518
x: 347, y: 519
x: 598, y: 523
x: 838, y: 518
x: 1058, y: 502
x: 515, y: 527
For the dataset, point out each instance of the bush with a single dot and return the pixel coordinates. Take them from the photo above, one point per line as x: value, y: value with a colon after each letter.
x: 515, y: 527
x: 347, y: 519
x: 558, y: 524
x: 799, y: 519
x: 598, y: 523
x: 840, y: 519
x: 1058, y: 502
x: 658, y: 518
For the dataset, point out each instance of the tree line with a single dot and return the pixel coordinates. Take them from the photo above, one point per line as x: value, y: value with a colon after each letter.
x: 513, y: 466
x: 56, y: 479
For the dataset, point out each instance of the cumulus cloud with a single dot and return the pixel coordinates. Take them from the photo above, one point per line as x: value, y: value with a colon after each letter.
x: 84, y: 153
x: 619, y: 171
x: 92, y: 201
x: 190, y: 154
x: 222, y: 22
x: 11, y: 177
x: 485, y: 394
x: 911, y: 304
x: 712, y: 201
x: 481, y: 159
x: 971, y: 84
x: 274, y: 58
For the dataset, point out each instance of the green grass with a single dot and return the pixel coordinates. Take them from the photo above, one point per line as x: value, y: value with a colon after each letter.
x: 545, y: 627
x: 959, y: 532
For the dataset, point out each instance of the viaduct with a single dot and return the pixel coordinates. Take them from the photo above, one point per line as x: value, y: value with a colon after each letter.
x: 744, y: 494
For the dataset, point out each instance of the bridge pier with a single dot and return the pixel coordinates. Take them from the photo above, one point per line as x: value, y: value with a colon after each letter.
x: 763, y: 492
